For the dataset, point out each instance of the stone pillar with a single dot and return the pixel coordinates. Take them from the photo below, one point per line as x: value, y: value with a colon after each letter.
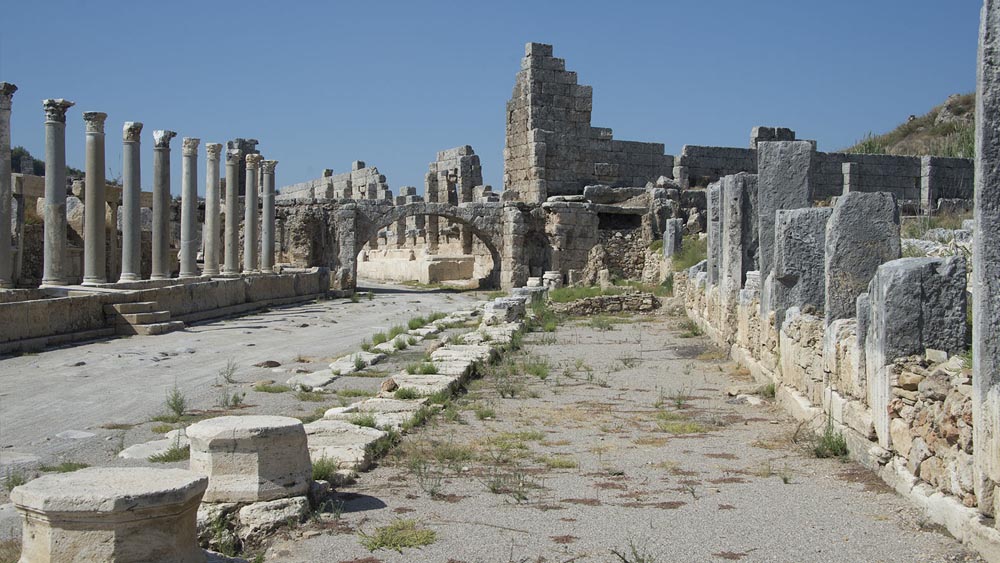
x: 986, y: 265
x: 6, y: 193
x: 861, y: 235
x: 250, y: 219
x: 799, y: 258
x: 783, y: 183
x: 431, y: 222
x: 231, y: 265
x: 95, y: 202
x: 267, y: 219
x: 189, y: 207
x: 161, y: 204
x: 54, y: 268
x: 916, y: 303
x: 714, y: 232
x: 210, y: 232
x: 131, y: 204
x: 672, y: 235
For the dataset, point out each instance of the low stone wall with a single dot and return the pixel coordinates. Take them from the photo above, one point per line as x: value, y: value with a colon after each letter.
x: 37, y: 323
x: 624, y: 303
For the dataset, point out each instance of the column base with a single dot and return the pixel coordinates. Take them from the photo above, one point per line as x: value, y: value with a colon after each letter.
x: 91, y: 282
x: 188, y: 276
x: 210, y: 273
x: 159, y: 277
x: 53, y: 283
x: 6, y: 285
x: 129, y: 278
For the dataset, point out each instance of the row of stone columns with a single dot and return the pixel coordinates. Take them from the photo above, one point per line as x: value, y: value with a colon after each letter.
x: 95, y: 236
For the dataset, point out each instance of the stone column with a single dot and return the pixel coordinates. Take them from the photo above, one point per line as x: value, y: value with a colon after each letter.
x: 161, y: 204
x: 267, y: 222
x: 210, y: 231
x: 131, y: 205
x: 95, y: 202
x: 6, y: 263
x: 250, y: 219
x: 54, y: 268
x: 232, y: 262
x: 986, y: 265
x: 189, y: 207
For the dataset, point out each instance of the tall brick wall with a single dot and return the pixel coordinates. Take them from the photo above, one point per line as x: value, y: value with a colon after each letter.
x: 551, y: 148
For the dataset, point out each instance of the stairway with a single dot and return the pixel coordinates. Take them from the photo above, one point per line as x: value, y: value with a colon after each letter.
x: 140, y: 318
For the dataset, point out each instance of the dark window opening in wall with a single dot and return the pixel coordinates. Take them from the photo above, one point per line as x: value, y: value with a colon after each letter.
x: 618, y: 221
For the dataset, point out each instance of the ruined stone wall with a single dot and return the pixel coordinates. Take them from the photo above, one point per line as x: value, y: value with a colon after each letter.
x: 703, y: 165
x: 551, y: 148
x: 362, y: 182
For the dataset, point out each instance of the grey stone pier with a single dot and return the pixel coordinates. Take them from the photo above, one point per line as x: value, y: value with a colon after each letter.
x: 6, y: 262
x: 986, y: 266
x: 131, y: 205
x: 54, y: 253
x: 210, y: 232
x: 250, y: 218
x: 267, y: 216
x: 161, y: 204
x: 231, y: 265
x: 95, y: 203
x: 189, y: 207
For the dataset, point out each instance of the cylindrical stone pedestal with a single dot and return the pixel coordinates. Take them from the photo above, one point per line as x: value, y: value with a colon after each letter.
x: 111, y: 514
x: 161, y: 204
x: 54, y: 253
x: 189, y: 207
x: 231, y: 265
x: 251, y: 217
x: 267, y: 216
x: 131, y: 205
x: 251, y: 458
x: 210, y: 231
x: 95, y: 203
x: 6, y: 263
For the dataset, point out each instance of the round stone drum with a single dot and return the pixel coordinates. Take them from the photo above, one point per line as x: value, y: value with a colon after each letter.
x: 251, y: 458
x: 105, y: 514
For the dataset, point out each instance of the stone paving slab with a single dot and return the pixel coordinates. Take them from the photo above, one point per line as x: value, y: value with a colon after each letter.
x: 341, y: 441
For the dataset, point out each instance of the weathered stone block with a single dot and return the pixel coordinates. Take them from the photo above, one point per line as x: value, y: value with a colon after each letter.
x: 799, y: 246
x: 861, y: 234
x: 783, y: 183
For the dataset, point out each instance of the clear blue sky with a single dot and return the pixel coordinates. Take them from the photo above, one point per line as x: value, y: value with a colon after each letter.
x: 324, y: 83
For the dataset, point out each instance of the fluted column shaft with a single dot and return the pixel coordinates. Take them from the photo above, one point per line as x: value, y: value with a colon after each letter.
x: 131, y: 205
x: 95, y: 202
x: 54, y: 254
x: 189, y: 208
x: 6, y: 262
x: 250, y: 216
x: 210, y: 231
x: 231, y: 265
x: 267, y: 219
x: 161, y: 204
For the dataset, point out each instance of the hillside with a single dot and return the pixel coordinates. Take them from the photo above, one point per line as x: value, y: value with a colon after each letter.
x: 946, y: 130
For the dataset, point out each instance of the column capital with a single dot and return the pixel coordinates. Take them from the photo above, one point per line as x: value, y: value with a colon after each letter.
x: 233, y: 156
x: 267, y: 166
x: 253, y: 161
x: 94, y: 121
x: 55, y: 109
x: 6, y: 94
x: 132, y: 131
x: 162, y: 137
x: 189, y: 146
x: 213, y: 150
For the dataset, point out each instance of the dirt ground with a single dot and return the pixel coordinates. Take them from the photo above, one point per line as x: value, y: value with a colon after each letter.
x: 613, y: 439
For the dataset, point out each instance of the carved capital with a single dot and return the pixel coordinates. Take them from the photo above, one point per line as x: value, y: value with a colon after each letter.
x: 253, y: 161
x: 55, y: 109
x: 189, y: 146
x: 233, y: 156
x: 6, y: 94
x: 162, y: 137
x: 213, y: 150
x: 94, y: 121
x: 267, y: 166
x: 132, y: 131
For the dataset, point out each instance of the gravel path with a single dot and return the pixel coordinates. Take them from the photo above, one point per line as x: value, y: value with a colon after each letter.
x: 629, y: 445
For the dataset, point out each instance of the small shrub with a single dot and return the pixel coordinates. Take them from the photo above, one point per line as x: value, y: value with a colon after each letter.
x: 364, y: 419
x: 602, y: 323
x: 396, y: 331
x: 656, y: 245
x: 690, y: 329
x: 161, y: 428
x: 412, y: 340
x: 14, y: 479
x: 359, y: 363
x: 572, y: 293
x: 271, y: 388
x: 64, y: 467
x: 231, y: 400
x: 560, y: 462
x: 310, y: 396
x: 379, y: 338
x: 174, y: 453
x: 767, y: 391
x: 416, y: 322
x: 831, y: 443
x: 325, y: 469
x: 366, y: 346
x: 228, y: 373
x: 406, y: 393
x: 355, y: 297
x: 483, y: 412
x: 401, y: 344
x: 398, y: 535
x: 354, y: 393
x: 536, y: 366
x: 176, y: 401
x: 693, y: 250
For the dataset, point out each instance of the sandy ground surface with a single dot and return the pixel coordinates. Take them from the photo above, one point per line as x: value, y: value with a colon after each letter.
x: 84, y: 403
x: 629, y: 449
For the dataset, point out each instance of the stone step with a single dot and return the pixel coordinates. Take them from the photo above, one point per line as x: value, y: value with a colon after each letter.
x: 130, y: 308
x: 143, y: 318
x: 340, y: 441
x: 150, y: 329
